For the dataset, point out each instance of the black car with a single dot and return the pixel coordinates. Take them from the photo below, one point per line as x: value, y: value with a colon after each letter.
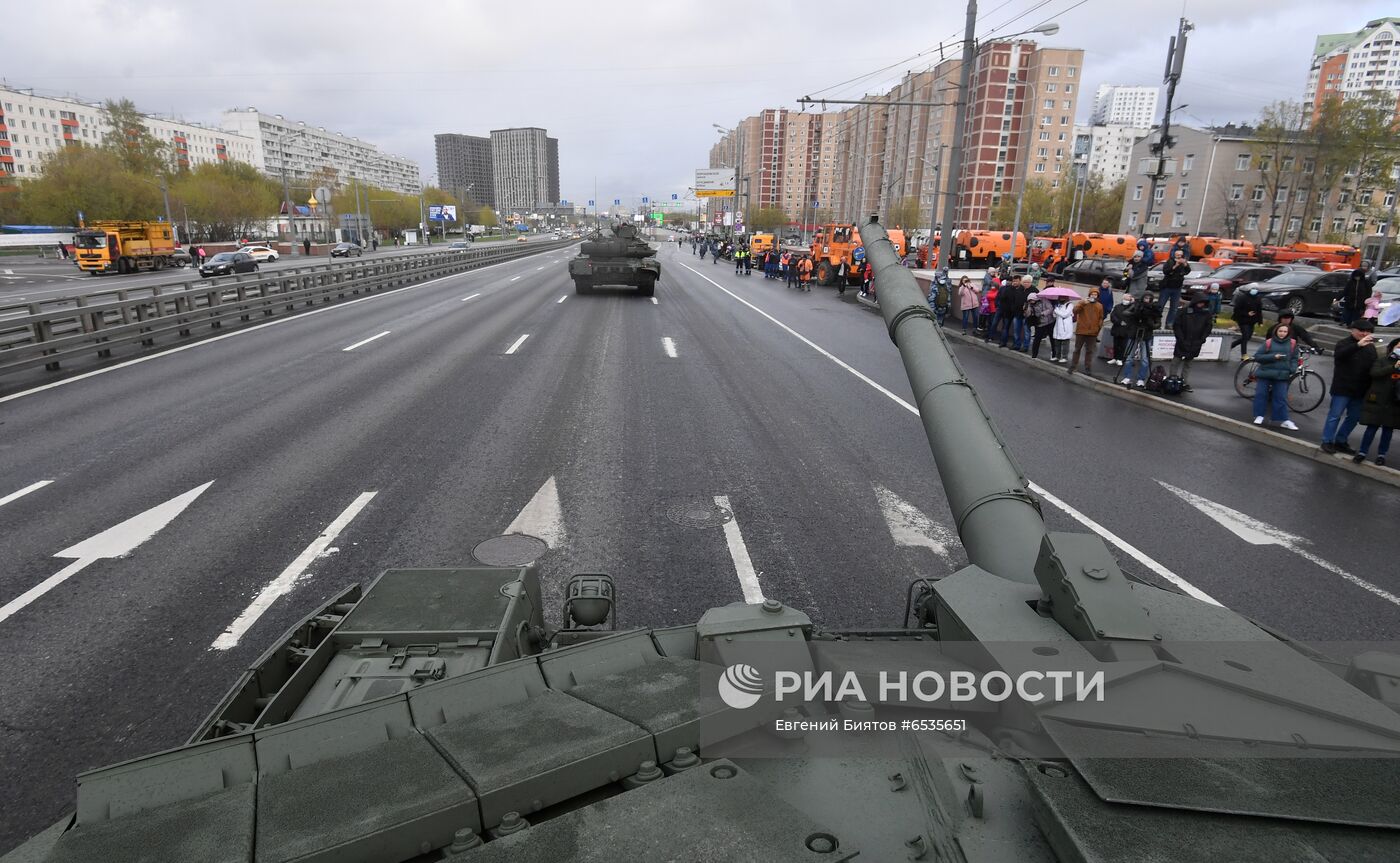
x: 1092, y: 272
x: 225, y: 263
x: 345, y: 250
x: 1231, y: 277
x: 1303, y: 292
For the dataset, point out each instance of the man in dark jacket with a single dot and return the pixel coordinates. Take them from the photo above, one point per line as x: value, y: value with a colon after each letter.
x: 1191, y: 328
x: 1143, y: 318
x: 1357, y: 290
x: 1248, y: 313
x: 1011, y: 311
x: 1120, y: 327
x: 1351, y: 377
x: 1174, y: 274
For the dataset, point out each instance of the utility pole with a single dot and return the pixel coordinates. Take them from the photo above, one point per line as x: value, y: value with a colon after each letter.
x: 954, y: 178
x: 1176, y: 55
x: 359, y: 220
x: 1026, y: 144
x: 287, y: 195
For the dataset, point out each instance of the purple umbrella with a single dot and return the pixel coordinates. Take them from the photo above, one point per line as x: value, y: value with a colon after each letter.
x: 1058, y: 293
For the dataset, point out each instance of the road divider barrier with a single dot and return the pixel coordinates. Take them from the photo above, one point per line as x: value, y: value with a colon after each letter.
x: 52, y: 332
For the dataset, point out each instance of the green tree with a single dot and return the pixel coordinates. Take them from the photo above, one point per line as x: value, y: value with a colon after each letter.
x: 225, y: 200
x: 485, y: 216
x: 133, y: 144
x: 1101, y: 207
x: 768, y: 219
x: 93, y: 180
x: 906, y: 214
x: 1038, y: 205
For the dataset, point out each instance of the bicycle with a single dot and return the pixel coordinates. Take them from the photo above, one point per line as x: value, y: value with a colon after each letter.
x: 1306, y: 388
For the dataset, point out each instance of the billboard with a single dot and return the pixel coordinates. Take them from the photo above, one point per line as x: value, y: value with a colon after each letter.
x: 714, y: 183
x: 442, y: 213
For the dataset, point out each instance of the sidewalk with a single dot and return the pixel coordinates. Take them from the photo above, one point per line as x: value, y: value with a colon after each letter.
x: 1213, y: 401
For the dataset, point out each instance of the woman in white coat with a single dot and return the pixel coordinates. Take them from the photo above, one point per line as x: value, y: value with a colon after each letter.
x: 1062, y: 333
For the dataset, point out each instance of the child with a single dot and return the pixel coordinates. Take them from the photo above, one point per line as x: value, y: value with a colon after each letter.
x: 1373, y: 306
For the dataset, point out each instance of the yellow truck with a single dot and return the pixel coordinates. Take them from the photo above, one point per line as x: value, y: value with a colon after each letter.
x: 123, y: 247
x: 762, y: 243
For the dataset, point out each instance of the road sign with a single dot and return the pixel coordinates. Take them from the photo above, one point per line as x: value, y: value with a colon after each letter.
x: 1039, y: 227
x: 590, y: 202
x: 646, y: 200
x: 675, y: 197
x: 617, y: 202
x: 715, y: 183
x: 657, y: 217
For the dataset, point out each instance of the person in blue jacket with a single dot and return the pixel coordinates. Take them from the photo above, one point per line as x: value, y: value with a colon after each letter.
x: 1276, y: 359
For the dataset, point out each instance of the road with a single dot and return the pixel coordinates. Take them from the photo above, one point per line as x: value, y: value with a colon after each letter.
x: 404, y: 429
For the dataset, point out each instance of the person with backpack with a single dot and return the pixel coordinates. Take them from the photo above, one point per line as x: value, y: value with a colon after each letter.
x: 1088, y: 321
x: 1040, y: 314
x: 968, y: 301
x: 1275, y: 359
x: 1143, y: 322
x: 940, y: 295
x: 1191, y: 328
x: 1249, y: 311
x: 1120, y: 328
x: 1062, y: 332
x: 1353, y: 357
x: 1381, y: 409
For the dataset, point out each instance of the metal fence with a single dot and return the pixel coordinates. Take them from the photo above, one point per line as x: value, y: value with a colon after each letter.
x: 51, y: 332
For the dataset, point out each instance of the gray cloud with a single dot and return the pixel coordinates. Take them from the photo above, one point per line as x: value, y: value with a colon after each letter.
x: 629, y: 89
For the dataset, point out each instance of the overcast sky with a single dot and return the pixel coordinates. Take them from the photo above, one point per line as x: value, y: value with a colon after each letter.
x: 629, y: 89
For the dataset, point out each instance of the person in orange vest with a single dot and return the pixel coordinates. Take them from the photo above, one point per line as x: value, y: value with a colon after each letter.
x: 804, y: 272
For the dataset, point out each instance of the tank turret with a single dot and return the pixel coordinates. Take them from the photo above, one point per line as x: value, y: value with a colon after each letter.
x: 615, y: 256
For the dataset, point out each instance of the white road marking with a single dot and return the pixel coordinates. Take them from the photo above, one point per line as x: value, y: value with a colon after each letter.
x: 542, y: 517
x: 1083, y: 519
x: 537, y: 269
x: 561, y: 299
x: 295, y: 572
x: 518, y: 342
x: 1257, y: 532
x: 910, y: 527
x: 743, y: 565
x: 514, y: 278
x: 16, y: 495
x: 669, y: 345
x: 367, y: 341
x: 199, y: 344
x: 653, y: 301
x: 472, y: 297
x: 118, y: 540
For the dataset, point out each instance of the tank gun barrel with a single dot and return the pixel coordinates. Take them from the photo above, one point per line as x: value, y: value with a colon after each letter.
x: 997, y: 518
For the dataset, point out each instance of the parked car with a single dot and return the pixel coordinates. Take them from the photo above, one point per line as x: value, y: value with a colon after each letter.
x: 345, y: 250
x: 225, y: 263
x: 181, y: 258
x: 459, y: 246
x: 1303, y: 292
x: 1231, y: 277
x: 261, y: 254
x: 1092, y: 271
x: 1154, y: 274
x: 1390, y: 295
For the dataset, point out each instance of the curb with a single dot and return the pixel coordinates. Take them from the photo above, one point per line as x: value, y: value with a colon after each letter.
x: 1249, y: 431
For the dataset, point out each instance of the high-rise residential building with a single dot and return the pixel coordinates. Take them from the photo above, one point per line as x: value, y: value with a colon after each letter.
x: 306, y: 152
x: 1349, y: 64
x: 1107, y: 150
x: 1122, y: 105
x: 464, y: 166
x: 32, y: 127
x: 525, y: 168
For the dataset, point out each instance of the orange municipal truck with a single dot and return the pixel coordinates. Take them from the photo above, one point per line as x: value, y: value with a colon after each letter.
x: 123, y: 247
x: 837, y: 244
x: 1052, y: 253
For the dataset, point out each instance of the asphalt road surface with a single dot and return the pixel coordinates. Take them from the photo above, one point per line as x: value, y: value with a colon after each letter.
x: 733, y: 439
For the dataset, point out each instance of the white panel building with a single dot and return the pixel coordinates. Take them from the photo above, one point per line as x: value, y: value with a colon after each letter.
x: 306, y: 150
x: 1120, y: 105
x: 1108, y: 149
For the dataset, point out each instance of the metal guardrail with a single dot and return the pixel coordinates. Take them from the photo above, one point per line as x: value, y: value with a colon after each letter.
x: 51, y: 332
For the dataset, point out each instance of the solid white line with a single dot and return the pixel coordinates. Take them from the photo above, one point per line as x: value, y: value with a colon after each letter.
x: 743, y: 565
x: 472, y: 297
x: 514, y: 278
x: 295, y: 571
x: 537, y: 269
x: 16, y: 495
x: 561, y: 299
x: 669, y: 345
x: 518, y: 342
x: 1122, y: 544
x: 199, y: 344
x: 367, y: 341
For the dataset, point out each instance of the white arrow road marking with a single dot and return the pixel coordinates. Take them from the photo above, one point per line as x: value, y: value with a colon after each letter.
x: 910, y: 527
x: 472, y: 297
x: 16, y: 495
x: 668, y: 344
x: 367, y: 341
x: 295, y: 572
x: 118, y: 540
x: 1257, y: 532
x: 542, y: 517
x: 1083, y: 519
x: 518, y: 342
x: 743, y: 564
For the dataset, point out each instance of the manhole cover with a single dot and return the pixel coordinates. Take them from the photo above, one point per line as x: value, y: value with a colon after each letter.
x: 512, y: 549
x: 697, y: 512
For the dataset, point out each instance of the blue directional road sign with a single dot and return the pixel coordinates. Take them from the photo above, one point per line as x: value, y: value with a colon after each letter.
x: 675, y: 197
x: 1039, y: 227
x: 590, y: 202
x: 646, y: 200
x: 617, y: 202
